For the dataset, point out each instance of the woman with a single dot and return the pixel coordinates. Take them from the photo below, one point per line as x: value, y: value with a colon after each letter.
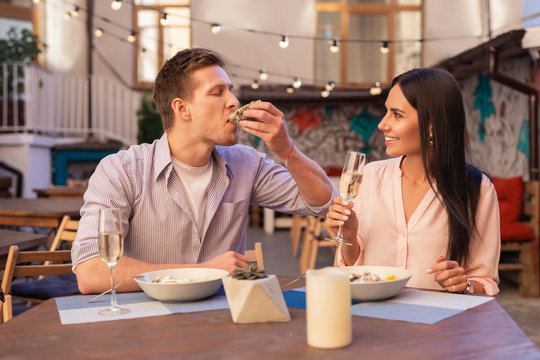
x: 426, y: 209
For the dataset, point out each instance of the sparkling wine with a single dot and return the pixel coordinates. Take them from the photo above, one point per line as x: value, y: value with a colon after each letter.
x: 349, y: 185
x: 111, y: 246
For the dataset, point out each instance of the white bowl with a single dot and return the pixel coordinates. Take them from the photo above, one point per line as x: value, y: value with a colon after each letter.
x: 369, y: 291
x: 204, y: 282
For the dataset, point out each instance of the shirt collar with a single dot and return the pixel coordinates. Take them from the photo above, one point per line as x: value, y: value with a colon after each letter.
x: 162, y: 157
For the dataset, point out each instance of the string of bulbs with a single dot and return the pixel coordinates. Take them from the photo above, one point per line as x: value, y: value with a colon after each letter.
x: 284, y: 41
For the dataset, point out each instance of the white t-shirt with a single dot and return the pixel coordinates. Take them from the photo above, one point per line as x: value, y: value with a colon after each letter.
x: 196, y: 181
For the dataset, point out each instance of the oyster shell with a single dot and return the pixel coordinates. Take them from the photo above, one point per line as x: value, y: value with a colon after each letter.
x: 238, y: 115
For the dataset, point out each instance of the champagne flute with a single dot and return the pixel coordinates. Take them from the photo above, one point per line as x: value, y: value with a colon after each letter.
x: 111, y: 247
x: 349, y: 184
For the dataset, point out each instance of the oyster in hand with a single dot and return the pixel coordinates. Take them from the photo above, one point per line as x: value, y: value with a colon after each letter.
x: 238, y: 115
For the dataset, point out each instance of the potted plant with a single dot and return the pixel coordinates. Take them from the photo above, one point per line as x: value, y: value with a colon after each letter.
x: 150, y: 126
x: 19, y: 47
x: 255, y: 297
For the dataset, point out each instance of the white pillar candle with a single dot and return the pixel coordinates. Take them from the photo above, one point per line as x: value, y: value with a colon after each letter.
x: 328, y: 307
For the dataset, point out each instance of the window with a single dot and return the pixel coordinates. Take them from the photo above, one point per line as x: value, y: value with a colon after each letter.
x: 19, y: 14
x: 359, y: 61
x: 157, y: 42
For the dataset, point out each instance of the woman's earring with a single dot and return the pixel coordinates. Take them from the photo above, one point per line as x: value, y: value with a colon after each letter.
x: 430, y: 139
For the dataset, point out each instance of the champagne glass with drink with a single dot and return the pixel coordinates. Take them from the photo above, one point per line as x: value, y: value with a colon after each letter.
x: 111, y: 247
x: 349, y: 184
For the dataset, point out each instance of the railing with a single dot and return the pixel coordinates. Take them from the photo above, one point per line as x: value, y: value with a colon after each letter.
x: 36, y: 100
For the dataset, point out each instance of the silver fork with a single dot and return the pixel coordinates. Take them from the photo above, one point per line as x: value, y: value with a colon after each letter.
x: 292, y: 282
x: 108, y: 291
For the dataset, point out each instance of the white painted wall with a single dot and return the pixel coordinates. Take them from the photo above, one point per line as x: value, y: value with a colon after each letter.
x: 462, y: 24
x: 457, y: 25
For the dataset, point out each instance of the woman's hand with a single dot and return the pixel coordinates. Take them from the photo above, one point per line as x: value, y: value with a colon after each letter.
x: 341, y: 214
x: 449, y: 275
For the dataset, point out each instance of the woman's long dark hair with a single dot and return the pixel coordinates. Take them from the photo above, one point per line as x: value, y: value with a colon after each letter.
x: 437, y: 97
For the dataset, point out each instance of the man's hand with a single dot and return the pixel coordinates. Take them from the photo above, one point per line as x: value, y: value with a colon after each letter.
x: 269, y: 125
x: 228, y: 261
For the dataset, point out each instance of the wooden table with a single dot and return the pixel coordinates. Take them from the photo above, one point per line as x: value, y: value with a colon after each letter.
x: 60, y: 192
x: 484, y: 332
x: 22, y: 239
x: 44, y: 212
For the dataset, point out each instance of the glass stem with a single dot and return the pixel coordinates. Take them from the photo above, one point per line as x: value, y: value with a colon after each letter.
x: 340, y: 233
x: 114, y: 304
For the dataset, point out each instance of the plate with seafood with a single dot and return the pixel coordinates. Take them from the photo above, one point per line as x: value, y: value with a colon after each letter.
x: 370, y: 283
x: 185, y: 284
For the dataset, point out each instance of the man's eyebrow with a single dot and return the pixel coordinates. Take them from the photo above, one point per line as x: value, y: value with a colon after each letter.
x: 221, y: 86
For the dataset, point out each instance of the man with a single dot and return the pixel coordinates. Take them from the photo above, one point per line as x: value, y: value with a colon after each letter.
x: 185, y: 198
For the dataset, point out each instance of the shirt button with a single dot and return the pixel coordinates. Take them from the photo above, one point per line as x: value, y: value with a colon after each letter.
x: 195, y: 240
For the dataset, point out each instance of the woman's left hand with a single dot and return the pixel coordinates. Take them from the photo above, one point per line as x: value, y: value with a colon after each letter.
x: 449, y: 275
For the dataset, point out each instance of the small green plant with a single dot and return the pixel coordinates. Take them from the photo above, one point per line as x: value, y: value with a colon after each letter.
x: 251, y: 273
x: 149, y: 121
x: 23, y: 46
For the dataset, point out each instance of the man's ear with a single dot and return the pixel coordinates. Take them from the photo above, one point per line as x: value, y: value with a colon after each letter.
x: 180, y: 109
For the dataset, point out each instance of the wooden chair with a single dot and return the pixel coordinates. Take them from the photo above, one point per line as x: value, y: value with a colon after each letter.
x: 256, y: 255
x: 22, y: 264
x: 519, y: 254
x: 7, y: 311
x: 313, y: 240
x: 67, y: 231
x: 298, y: 222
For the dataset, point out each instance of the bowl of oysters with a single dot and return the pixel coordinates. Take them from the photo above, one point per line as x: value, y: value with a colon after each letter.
x: 370, y: 283
x: 185, y: 284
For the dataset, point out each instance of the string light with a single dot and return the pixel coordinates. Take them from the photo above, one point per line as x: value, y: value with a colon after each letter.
x: 215, y: 28
x: 131, y: 37
x: 75, y: 12
x: 263, y: 75
x: 98, y: 32
x: 375, y: 89
x: 330, y: 85
x: 384, y: 49
x: 290, y: 89
x: 297, y: 83
x: 334, y: 46
x: 164, y: 21
x: 284, y: 43
x: 325, y: 93
x: 143, y: 52
x: 67, y: 15
x: 116, y: 5
x: 255, y: 84
x: 35, y: 2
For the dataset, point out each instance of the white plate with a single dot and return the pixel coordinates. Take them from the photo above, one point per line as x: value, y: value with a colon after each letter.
x: 204, y: 282
x: 369, y: 291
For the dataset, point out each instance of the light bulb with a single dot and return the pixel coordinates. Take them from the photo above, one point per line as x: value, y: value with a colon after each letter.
x: 376, y: 89
x: 35, y: 1
x: 263, y: 75
x: 131, y: 37
x: 330, y: 85
x: 164, y: 21
x: 290, y: 89
x: 143, y: 52
x: 67, y: 15
x: 98, y: 32
x: 297, y: 83
x: 255, y: 84
x: 116, y: 5
x: 384, y: 49
x: 334, y: 47
x: 284, y: 43
x: 215, y: 28
x: 75, y: 12
x: 325, y: 93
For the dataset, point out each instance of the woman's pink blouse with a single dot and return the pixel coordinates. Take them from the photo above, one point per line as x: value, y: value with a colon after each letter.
x: 386, y: 238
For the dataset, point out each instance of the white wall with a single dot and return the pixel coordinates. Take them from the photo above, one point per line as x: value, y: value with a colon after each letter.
x: 457, y: 25
x: 461, y: 24
x: 257, y: 50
